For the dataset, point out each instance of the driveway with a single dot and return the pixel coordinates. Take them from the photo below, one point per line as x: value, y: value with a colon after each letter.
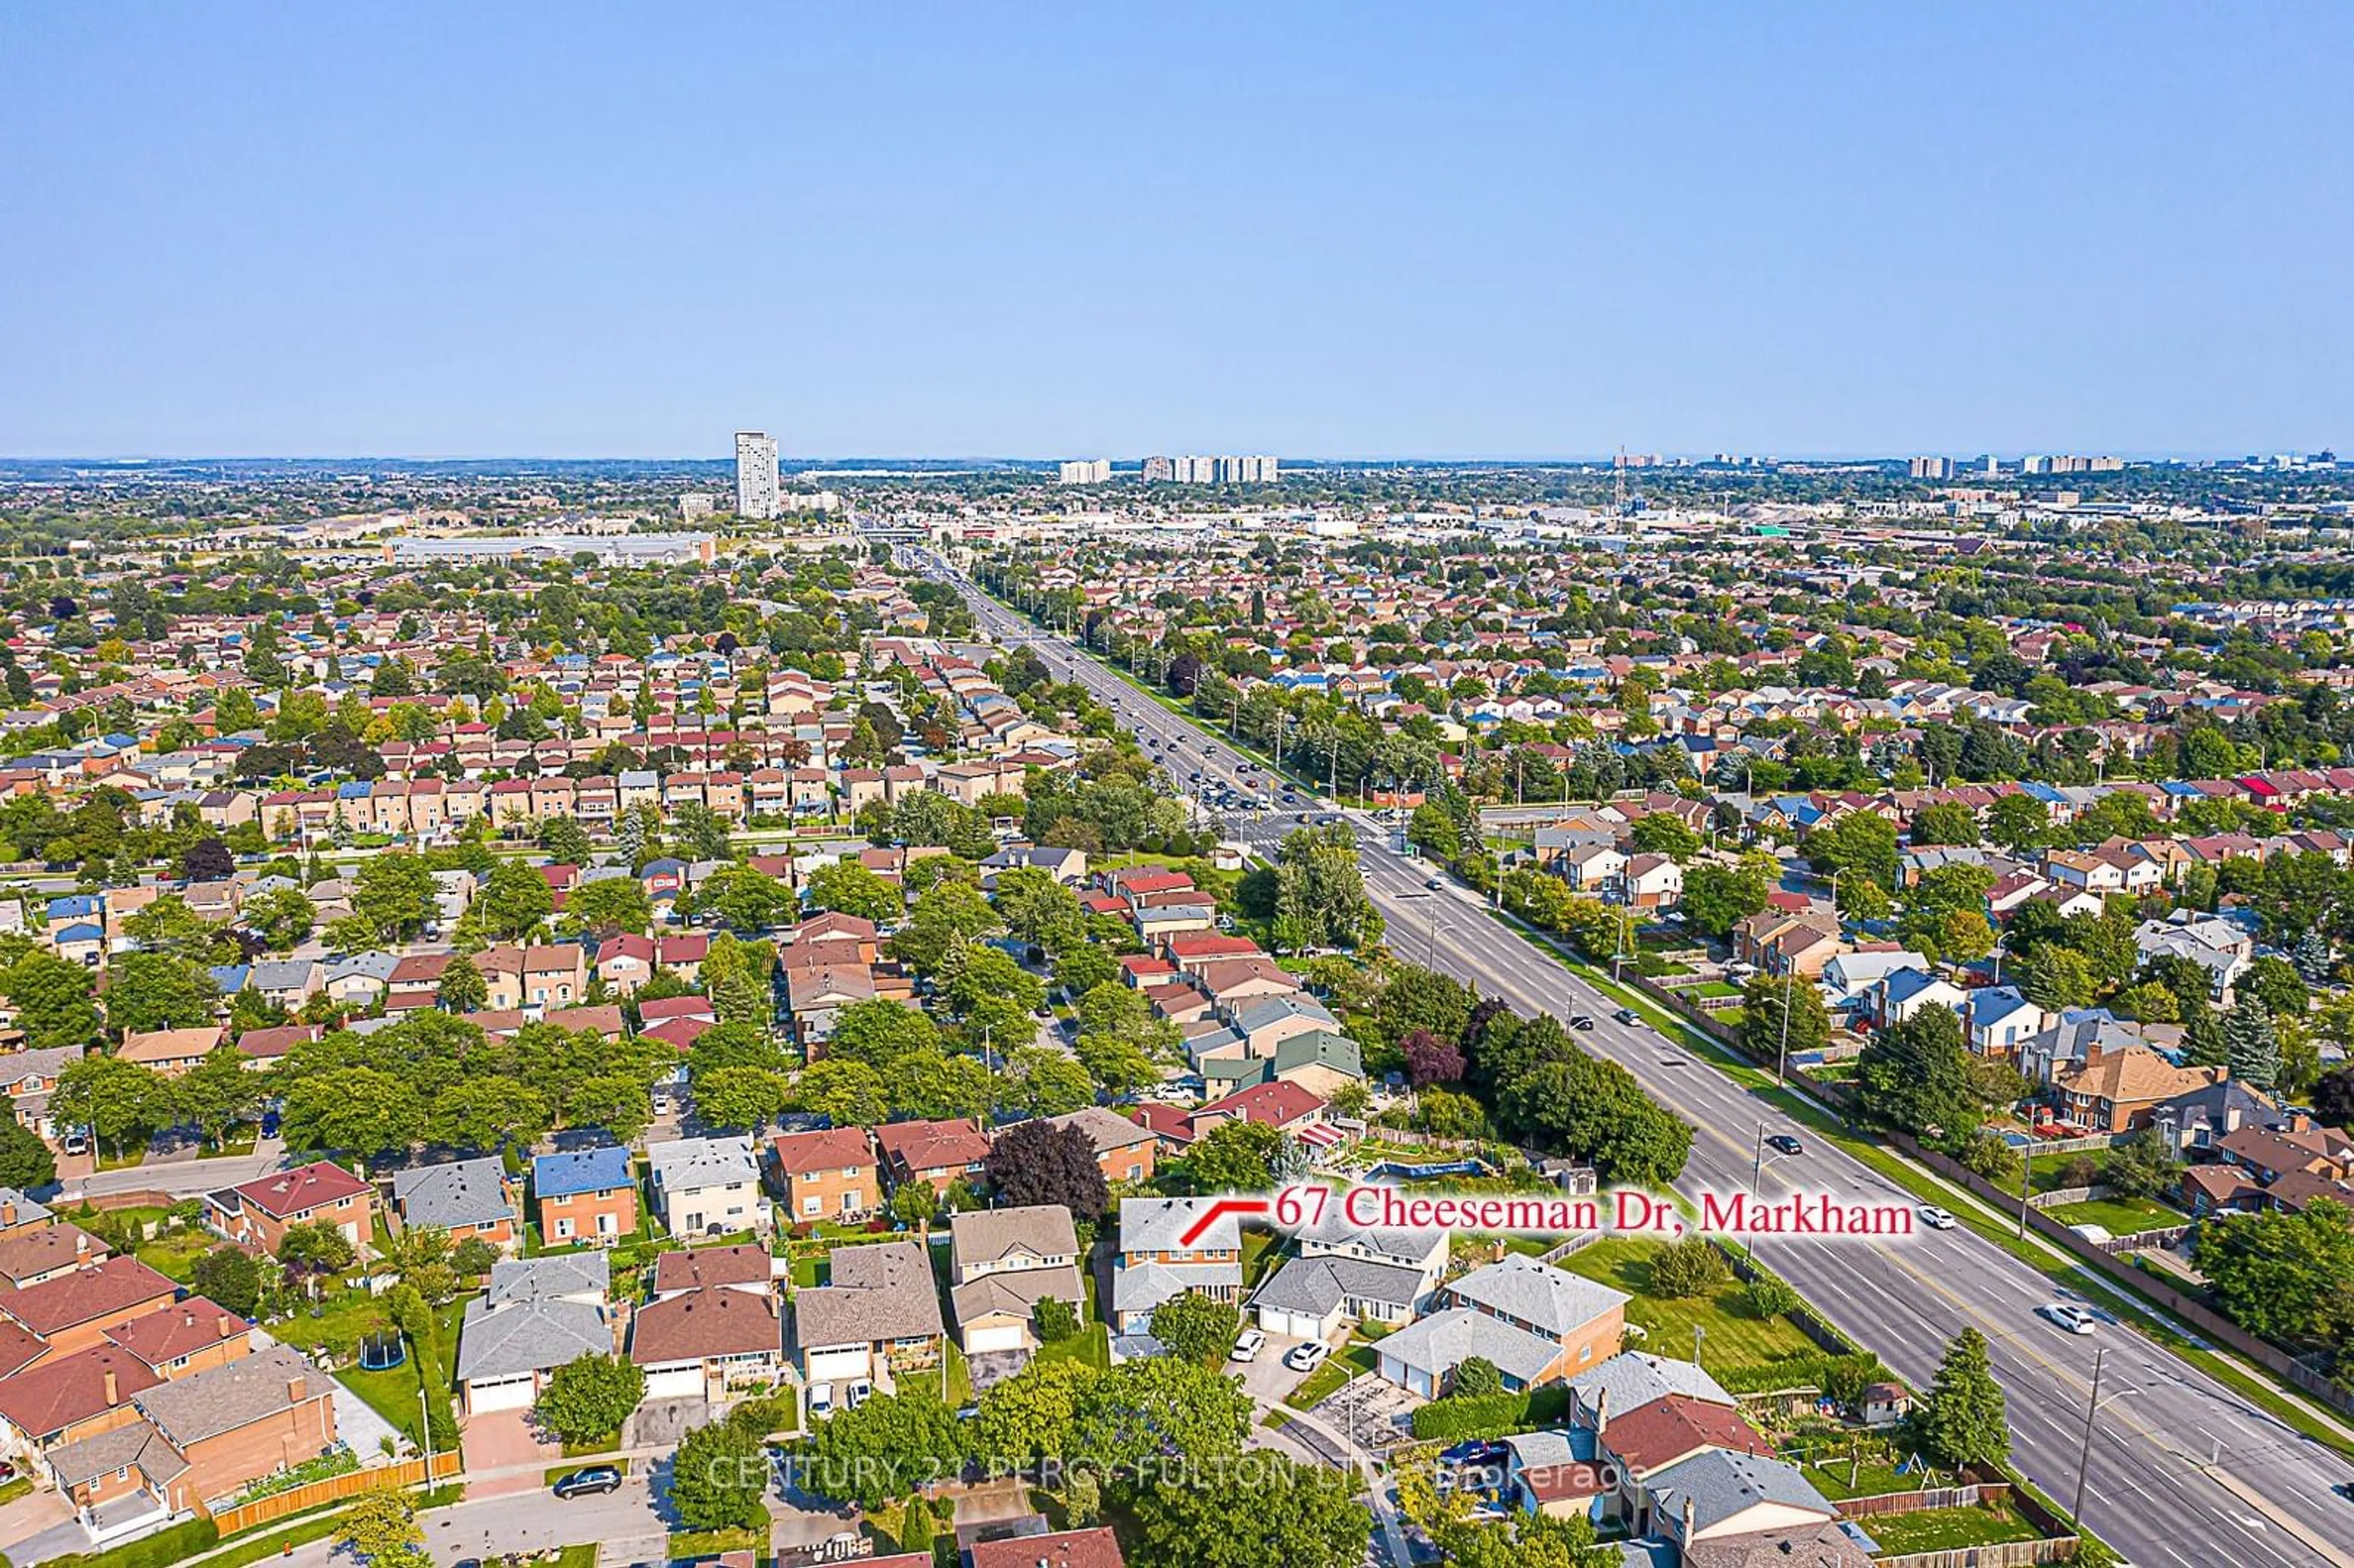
x: 990, y: 1368
x: 501, y: 1438
x: 663, y: 1423
x: 30, y: 1517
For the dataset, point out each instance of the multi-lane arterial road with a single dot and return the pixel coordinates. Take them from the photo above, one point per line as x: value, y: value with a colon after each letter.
x: 2181, y: 1470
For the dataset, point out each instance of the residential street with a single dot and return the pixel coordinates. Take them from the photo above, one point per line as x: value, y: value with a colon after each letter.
x: 2163, y: 1426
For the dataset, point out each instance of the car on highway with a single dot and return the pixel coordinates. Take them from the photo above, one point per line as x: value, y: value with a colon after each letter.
x: 594, y: 1481
x: 1328, y: 818
x: 1302, y: 818
x: 1247, y: 1345
x: 2069, y: 1316
x: 1434, y: 883
x: 1627, y: 1016
x: 1935, y: 1218
x: 1307, y: 1357
x: 1783, y: 1144
x: 1581, y: 1021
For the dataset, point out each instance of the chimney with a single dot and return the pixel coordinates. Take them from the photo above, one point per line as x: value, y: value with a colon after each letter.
x: 81, y: 1243
x: 188, y: 1318
x: 113, y: 1393
x: 1601, y: 1411
x: 295, y: 1388
x: 1690, y: 1516
x: 227, y: 1325
x: 9, y: 1212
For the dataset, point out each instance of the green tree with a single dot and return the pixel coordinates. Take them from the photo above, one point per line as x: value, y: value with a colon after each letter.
x: 1043, y: 1081
x: 1915, y: 1076
x: 720, y: 1478
x: 1233, y: 1157
x: 463, y: 988
x: 1689, y: 1267
x: 2285, y: 1275
x: 1302, y: 1516
x: 1197, y: 1327
x: 489, y: 1114
x: 847, y: 1093
x: 121, y: 1102
x: 1945, y: 822
x: 2054, y: 978
x: 229, y: 1276
x: 566, y: 841
x: 1160, y: 1406
x: 1960, y: 1420
x: 1861, y: 843
x: 886, y: 1448
x: 609, y: 905
x: 26, y: 1162
x: 157, y: 991
x: 393, y: 894
x: 218, y: 1091
x: 379, y: 1527
x: 515, y: 901
x: 359, y: 1110
x: 590, y: 1397
x: 1718, y: 897
x: 53, y: 1000
x: 2019, y: 822
x: 1763, y: 1001
x: 2251, y: 1043
x: 740, y: 1098
x: 1032, y: 1415
x: 849, y: 888
x: 281, y: 918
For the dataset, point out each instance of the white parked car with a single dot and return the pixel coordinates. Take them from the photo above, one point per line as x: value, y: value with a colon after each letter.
x: 1935, y: 1218
x: 2069, y: 1316
x: 1247, y: 1345
x: 821, y: 1400
x: 858, y: 1394
x: 1307, y: 1357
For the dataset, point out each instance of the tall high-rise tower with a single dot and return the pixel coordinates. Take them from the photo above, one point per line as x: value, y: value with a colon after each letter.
x: 756, y: 475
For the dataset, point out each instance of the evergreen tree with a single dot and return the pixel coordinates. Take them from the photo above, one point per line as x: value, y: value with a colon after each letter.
x: 2251, y: 1043
x: 2312, y: 956
x: 1960, y: 1420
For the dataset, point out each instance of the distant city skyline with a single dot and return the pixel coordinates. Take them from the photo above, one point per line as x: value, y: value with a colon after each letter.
x: 1377, y: 233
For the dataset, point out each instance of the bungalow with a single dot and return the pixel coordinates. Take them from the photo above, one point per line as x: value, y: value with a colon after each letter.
x: 169, y: 1052
x: 1343, y: 1272
x: 1536, y: 1323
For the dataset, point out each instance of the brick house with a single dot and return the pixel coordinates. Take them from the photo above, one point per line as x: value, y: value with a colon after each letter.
x: 78, y: 1309
x: 826, y: 1174
x: 1123, y: 1149
x: 258, y: 1213
x: 193, y: 1442
x: 939, y: 1153
x: 585, y: 1195
x: 469, y: 1199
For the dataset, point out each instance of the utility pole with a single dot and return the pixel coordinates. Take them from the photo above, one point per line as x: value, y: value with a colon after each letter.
x: 2084, y: 1452
x: 2026, y: 1174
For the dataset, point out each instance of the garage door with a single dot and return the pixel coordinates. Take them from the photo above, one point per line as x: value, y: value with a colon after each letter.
x: 499, y: 1394
x: 1001, y: 1337
x: 1289, y: 1325
x: 678, y: 1383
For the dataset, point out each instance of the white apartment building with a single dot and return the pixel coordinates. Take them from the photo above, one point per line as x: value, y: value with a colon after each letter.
x: 756, y: 475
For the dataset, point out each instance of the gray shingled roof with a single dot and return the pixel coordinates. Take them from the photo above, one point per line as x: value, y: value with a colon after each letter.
x: 1154, y: 1224
x: 1439, y: 1343
x: 1141, y: 1286
x: 1633, y: 1379
x: 1317, y: 1285
x: 589, y: 1272
x: 1550, y: 1300
x: 137, y: 1444
x: 881, y: 1292
x: 233, y: 1394
x: 525, y: 1334
x: 1017, y: 1291
x: 458, y: 1192
x: 1721, y: 1484
x: 986, y: 1236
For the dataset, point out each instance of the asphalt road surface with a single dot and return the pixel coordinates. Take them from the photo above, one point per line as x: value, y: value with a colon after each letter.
x: 2182, y: 1470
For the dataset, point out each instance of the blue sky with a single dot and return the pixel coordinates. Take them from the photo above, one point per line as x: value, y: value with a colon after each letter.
x: 1049, y: 230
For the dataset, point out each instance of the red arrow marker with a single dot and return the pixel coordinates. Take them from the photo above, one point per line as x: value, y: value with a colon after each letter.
x: 1217, y: 1211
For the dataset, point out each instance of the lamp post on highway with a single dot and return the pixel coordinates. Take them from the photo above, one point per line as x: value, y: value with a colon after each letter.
x: 2084, y: 1450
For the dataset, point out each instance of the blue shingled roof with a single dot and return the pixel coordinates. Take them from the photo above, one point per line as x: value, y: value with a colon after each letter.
x: 581, y: 1170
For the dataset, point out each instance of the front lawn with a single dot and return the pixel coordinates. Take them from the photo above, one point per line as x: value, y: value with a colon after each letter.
x: 1332, y: 1376
x: 1091, y: 1344
x: 1731, y: 1336
x: 1948, y: 1528
x: 2119, y: 1216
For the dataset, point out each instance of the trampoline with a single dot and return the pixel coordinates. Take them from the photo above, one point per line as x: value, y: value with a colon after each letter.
x: 381, y: 1351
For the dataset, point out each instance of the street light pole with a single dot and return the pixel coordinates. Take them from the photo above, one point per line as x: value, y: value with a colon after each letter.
x: 2084, y: 1452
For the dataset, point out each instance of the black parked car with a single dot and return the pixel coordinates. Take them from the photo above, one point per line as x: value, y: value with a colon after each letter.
x: 590, y: 1482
